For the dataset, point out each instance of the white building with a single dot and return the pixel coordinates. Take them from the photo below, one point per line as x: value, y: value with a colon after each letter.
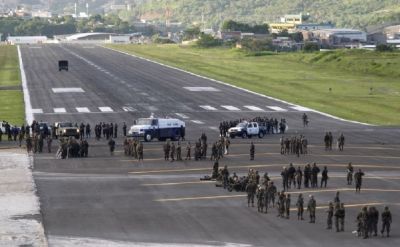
x: 120, y: 39
x: 337, y: 36
x: 26, y: 40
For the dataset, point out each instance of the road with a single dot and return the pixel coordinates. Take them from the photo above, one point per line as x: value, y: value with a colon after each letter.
x: 115, y: 199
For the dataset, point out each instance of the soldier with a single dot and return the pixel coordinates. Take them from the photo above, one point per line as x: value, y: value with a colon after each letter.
x: 49, y: 141
x: 179, y: 152
x: 341, y: 142
x: 282, y: 142
x: 166, y: 150
x: 85, y: 148
x: 281, y: 204
x: 40, y: 143
x: 305, y: 120
x: 291, y: 174
x: 115, y: 130
x: 362, y: 219
x: 227, y: 143
x: 299, y: 177
x: 374, y: 218
x: 330, y: 140
x: 188, y: 150
x: 307, y: 175
x: 124, y: 129
x: 326, y: 141
x: 311, y: 207
x: 324, y: 178
x: 28, y: 144
x: 111, y: 144
x: 225, y: 177
x: 252, y: 151
x: 20, y: 137
x: 266, y: 196
x: 172, y: 153
x: 386, y: 221
x: 336, y: 199
x: 314, y: 176
x: 272, y: 190
x: 88, y: 131
x: 285, y: 179
x: 330, y: 216
x: 300, y: 207
x: 251, y: 190
x: 339, y: 218
x: 140, y: 151
x: 260, y: 198
x: 215, y: 170
x: 287, y: 206
x: 358, y: 179
x: 350, y: 171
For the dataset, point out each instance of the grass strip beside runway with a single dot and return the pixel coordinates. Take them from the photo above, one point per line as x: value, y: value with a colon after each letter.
x: 11, y: 100
x: 364, y: 85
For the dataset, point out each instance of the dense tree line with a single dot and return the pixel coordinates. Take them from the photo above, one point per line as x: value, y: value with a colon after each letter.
x: 63, y: 25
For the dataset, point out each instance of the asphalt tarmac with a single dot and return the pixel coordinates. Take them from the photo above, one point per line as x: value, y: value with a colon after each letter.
x: 117, y: 198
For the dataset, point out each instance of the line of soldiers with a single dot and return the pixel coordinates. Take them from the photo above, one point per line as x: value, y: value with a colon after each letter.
x: 292, y: 176
x: 294, y: 145
x: 134, y: 148
x: 107, y: 130
x: 35, y: 144
x: 367, y: 222
x: 328, y: 140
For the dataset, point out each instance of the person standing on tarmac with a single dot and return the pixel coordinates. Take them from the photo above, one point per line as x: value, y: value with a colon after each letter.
x: 111, y: 144
x: 252, y: 151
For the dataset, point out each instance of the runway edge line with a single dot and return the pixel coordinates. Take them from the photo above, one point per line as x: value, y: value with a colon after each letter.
x: 27, y: 97
x: 236, y: 87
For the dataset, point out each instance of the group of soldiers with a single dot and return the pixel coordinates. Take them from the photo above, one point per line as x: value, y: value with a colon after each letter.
x: 107, y: 130
x: 367, y: 222
x: 292, y: 176
x: 294, y: 145
x: 133, y: 148
x: 11, y: 132
x: 72, y: 148
x: 265, y: 192
x: 328, y: 140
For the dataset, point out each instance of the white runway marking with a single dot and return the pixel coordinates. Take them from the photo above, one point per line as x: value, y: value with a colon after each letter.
x: 276, y: 108
x: 230, y: 108
x: 301, y: 108
x: 182, y: 115
x: 197, y: 122
x: 128, y: 109
x: 82, y: 109
x: 208, y: 108
x: 36, y: 111
x: 214, y: 128
x: 202, y: 89
x: 68, y: 90
x: 106, y: 109
x: 60, y: 110
x: 253, y: 108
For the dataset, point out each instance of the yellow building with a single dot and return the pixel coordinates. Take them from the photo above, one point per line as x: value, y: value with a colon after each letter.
x: 288, y: 22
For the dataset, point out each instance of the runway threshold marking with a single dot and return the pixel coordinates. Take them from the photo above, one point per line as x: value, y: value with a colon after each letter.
x: 105, y: 109
x: 59, y: 110
x: 230, y: 108
x: 82, y: 109
x: 277, y: 108
x: 244, y: 195
x: 37, y: 111
x: 253, y: 108
x: 208, y: 107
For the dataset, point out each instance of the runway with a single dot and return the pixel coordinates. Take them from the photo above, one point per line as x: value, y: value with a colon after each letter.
x: 104, y: 198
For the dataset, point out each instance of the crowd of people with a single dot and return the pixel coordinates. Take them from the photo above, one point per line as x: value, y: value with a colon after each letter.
x: 294, y: 145
x: 261, y: 191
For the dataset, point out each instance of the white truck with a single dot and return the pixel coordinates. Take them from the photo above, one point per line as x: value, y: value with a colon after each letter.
x: 158, y: 128
x: 247, y: 130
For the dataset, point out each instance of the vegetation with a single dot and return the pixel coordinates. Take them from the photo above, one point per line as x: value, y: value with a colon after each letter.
x: 344, y: 13
x: 63, y: 25
x: 244, y: 27
x: 11, y: 97
x: 364, y: 84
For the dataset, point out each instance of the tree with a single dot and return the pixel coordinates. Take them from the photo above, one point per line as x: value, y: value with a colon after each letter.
x: 384, y: 48
x: 207, y: 40
x: 191, y: 33
x: 311, y: 47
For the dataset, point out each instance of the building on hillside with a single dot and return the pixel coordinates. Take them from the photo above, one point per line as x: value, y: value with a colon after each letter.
x: 26, y: 40
x: 294, y: 19
x: 229, y: 35
x: 287, y: 22
x: 394, y: 42
x: 392, y: 32
x: 340, y: 37
x: 314, y: 26
x: 41, y: 14
x: 377, y: 37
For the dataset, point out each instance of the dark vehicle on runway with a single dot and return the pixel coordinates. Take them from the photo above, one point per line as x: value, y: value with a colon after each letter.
x: 66, y: 129
x: 159, y: 128
x: 63, y: 65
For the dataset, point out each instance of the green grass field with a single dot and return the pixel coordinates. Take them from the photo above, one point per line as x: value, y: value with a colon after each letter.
x: 365, y: 85
x: 11, y: 101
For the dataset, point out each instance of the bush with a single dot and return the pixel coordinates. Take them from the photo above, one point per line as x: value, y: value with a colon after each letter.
x: 207, y: 40
x: 384, y: 48
x: 310, y: 47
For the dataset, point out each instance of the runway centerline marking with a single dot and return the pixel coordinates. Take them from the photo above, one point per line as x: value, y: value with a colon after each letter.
x: 277, y: 108
x: 67, y: 90
x: 82, y: 109
x: 230, y: 108
x: 105, y: 109
x: 59, y: 110
x: 37, y: 111
x: 253, y: 108
x: 208, y: 107
x: 202, y: 89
